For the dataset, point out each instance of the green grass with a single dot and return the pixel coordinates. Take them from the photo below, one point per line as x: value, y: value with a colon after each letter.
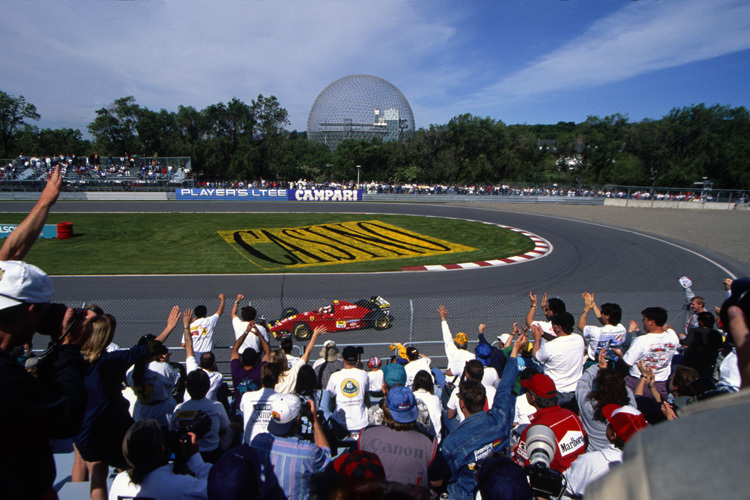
x: 190, y: 244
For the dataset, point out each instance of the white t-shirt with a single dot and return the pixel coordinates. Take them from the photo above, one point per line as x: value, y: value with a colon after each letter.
x: 164, y: 484
x: 251, y: 340
x: 185, y: 413
x: 490, y: 377
x: 434, y: 407
x: 657, y: 350
x: 376, y: 380
x: 202, y: 332
x: 412, y: 367
x: 215, y: 378
x: 524, y: 411
x: 155, y: 397
x: 288, y: 380
x: 457, y: 358
x: 602, y: 337
x: 589, y: 467
x: 350, y: 386
x: 562, y: 359
x: 256, y: 412
x: 453, y: 401
x: 729, y: 371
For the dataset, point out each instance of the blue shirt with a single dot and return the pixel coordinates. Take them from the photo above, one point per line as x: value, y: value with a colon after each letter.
x: 479, y: 435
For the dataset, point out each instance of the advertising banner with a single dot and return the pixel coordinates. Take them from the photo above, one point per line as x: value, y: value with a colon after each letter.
x: 265, y: 194
x: 245, y: 194
x: 48, y: 231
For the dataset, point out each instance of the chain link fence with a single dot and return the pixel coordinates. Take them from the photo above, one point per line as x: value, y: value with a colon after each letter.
x: 413, y: 320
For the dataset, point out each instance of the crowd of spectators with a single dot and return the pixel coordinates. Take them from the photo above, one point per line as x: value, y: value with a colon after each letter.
x: 557, y: 408
x: 91, y: 168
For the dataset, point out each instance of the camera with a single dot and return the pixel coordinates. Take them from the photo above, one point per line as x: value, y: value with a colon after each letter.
x: 541, y: 446
x: 200, y: 426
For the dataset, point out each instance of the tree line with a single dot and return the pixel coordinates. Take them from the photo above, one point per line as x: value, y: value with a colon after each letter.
x: 239, y: 141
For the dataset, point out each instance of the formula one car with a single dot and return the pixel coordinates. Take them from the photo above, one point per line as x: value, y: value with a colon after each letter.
x: 338, y: 316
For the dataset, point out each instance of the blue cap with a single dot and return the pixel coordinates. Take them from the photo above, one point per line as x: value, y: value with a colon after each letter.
x: 402, y: 405
x: 483, y: 352
x: 394, y: 374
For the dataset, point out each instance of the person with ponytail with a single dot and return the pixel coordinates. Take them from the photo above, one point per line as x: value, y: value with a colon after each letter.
x: 107, y: 416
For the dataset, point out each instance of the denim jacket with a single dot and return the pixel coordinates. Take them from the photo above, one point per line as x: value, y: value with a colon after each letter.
x: 479, y: 435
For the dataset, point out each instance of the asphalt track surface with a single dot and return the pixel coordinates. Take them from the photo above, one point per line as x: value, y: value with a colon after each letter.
x: 635, y: 269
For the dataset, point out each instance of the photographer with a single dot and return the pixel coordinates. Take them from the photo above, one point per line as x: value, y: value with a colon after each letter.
x: 150, y: 474
x: 36, y: 410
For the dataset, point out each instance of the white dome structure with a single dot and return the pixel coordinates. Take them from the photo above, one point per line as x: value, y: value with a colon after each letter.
x: 359, y: 107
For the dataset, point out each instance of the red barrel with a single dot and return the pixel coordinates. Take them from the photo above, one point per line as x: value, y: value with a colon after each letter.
x: 64, y: 230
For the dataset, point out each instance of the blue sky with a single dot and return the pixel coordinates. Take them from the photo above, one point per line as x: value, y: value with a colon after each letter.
x: 530, y: 61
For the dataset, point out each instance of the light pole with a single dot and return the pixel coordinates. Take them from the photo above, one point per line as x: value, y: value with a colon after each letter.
x: 358, y: 167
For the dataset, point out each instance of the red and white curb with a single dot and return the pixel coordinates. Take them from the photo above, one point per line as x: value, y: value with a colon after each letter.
x: 542, y: 248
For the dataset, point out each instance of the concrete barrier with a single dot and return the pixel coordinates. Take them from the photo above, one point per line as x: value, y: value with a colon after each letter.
x: 685, y: 205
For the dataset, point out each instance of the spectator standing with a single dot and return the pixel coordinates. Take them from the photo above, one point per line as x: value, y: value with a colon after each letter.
x: 246, y: 368
x: 348, y: 390
x: 611, y: 334
x: 455, y: 348
x: 288, y: 376
x: 107, y: 418
x: 255, y: 406
x: 482, y: 432
x: 550, y: 307
x: 656, y: 348
x: 562, y: 358
x: 202, y: 327
x: 207, y: 360
x: 424, y: 391
x: 240, y: 325
x: 152, y: 381
x: 702, y: 345
x: 394, y: 375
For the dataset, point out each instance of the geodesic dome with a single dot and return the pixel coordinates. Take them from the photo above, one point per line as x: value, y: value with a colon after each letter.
x: 359, y: 107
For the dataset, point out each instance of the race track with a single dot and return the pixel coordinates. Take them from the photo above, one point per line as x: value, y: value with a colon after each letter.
x: 633, y: 269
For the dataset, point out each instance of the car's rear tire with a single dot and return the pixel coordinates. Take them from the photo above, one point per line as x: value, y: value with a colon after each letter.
x: 302, y: 331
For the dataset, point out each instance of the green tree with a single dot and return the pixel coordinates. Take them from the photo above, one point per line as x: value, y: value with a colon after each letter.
x: 13, y: 113
x: 115, y: 127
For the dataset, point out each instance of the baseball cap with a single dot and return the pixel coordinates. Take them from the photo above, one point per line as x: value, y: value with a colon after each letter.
x: 21, y: 282
x: 483, y: 352
x: 394, y: 374
x: 461, y: 338
x: 503, y: 338
x: 540, y: 385
x: 285, y: 408
x: 359, y: 464
x: 402, y: 405
x: 235, y: 475
x: 350, y: 353
x: 625, y: 420
x: 374, y: 362
x: 501, y: 477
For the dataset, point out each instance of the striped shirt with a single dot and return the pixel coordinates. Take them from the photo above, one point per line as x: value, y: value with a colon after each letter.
x: 294, y: 461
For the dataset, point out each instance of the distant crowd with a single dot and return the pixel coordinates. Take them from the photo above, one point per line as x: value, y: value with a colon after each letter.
x: 561, y: 407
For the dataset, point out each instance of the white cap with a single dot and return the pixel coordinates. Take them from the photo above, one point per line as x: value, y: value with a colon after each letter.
x: 503, y: 338
x: 22, y: 282
x: 284, y: 411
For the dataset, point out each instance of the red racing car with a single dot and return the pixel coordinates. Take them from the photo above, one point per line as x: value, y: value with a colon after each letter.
x: 338, y: 316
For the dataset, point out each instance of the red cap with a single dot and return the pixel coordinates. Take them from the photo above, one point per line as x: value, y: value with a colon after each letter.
x: 540, y: 385
x: 625, y: 420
